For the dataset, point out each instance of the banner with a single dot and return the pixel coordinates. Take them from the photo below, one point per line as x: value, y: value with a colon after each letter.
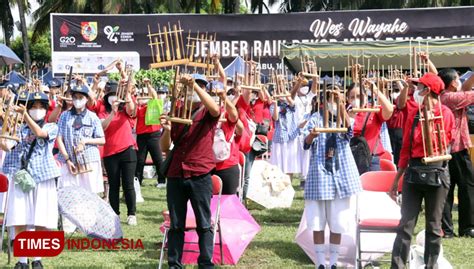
x: 89, y: 42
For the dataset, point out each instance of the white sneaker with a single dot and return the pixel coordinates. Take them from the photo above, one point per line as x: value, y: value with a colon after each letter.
x: 161, y: 185
x: 138, y: 191
x: 132, y: 220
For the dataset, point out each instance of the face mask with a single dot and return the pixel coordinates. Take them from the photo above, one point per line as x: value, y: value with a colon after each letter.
x: 162, y: 95
x: 459, y: 85
x: 37, y: 113
x: 112, y: 99
x: 143, y: 102
x: 79, y: 103
x: 332, y: 108
x: 231, y: 97
x: 196, y: 98
x: 418, y: 98
x: 216, y: 99
x: 352, y: 121
x: 356, y: 103
x: 395, y: 95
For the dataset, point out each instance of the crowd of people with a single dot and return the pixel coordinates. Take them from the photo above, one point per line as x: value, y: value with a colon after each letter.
x: 67, y: 138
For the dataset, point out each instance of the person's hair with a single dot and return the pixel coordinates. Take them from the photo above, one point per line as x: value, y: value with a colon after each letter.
x: 447, y: 75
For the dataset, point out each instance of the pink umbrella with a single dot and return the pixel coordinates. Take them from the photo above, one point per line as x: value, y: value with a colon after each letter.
x: 238, y: 228
x: 371, y: 205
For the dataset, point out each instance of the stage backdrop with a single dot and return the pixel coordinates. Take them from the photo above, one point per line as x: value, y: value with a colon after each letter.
x: 89, y: 42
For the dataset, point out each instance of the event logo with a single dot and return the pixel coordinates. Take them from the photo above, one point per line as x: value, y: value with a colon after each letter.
x: 52, y: 243
x: 358, y: 28
x: 64, y: 29
x: 111, y: 33
x: 89, y: 30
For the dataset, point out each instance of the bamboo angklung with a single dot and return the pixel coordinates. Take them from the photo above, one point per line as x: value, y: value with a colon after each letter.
x: 181, y: 101
x: 167, y: 47
x: 251, y: 79
x: 328, y: 124
x: 434, y: 150
x: 12, y: 119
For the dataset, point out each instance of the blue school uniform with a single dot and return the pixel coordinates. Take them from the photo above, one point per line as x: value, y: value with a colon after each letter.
x: 72, y: 132
x: 331, y: 176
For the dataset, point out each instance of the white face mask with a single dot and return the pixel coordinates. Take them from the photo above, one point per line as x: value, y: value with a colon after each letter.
x: 79, y: 103
x: 196, y: 98
x: 162, y: 96
x: 459, y: 85
x: 231, y: 97
x: 395, y: 95
x: 37, y: 113
x: 216, y: 99
x: 352, y: 121
x: 355, y: 103
x: 332, y: 108
x: 418, y: 98
x: 143, y: 101
x: 112, y: 99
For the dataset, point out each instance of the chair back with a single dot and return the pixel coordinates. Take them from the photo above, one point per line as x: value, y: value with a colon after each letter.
x: 386, y: 165
x: 3, y: 183
x: 216, y: 185
x: 379, y: 181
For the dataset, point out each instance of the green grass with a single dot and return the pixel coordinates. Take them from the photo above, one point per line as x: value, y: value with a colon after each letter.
x: 273, y: 247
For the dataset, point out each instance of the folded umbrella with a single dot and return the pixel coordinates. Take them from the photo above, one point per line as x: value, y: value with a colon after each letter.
x: 92, y: 215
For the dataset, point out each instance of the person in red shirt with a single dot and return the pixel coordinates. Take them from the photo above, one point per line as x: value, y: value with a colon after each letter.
x: 434, y: 196
x: 231, y: 127
x: 458, y: 96
x: 120, y: 156
x: 374, y: 121
x: 148, y: 138
x: 188, y: 174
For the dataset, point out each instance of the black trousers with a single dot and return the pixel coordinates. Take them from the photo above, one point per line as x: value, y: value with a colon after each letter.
x: 461, y: 173
x: 230, y: 179
x: 199, y: 191
x: 396, y: 137
x: 149, y: 143
x: 413, y: 195
x: 122, y: 166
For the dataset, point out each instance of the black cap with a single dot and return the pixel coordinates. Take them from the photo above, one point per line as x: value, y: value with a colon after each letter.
x: 54, y: 83
x: 111, y: 87
x: 80, y: 89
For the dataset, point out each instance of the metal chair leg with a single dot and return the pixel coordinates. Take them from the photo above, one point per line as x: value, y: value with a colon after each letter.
x: 165, y: 237
x: 220, y: 242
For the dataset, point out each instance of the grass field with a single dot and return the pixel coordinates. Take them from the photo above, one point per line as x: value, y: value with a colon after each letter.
x: 273, y: 247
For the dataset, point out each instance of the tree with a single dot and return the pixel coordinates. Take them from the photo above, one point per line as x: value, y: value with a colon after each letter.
x: 6, y: 20
x: 40, y: 50
x: 260, y: 4
x: 24, y: 35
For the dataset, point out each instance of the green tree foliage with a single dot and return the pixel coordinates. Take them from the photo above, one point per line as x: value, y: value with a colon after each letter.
x: 40, y: 50
x: 158, y: 77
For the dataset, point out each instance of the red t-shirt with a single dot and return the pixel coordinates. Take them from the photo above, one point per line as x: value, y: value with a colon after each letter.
x: 417, y: 151
x: 52, y: 105
x: 261, y: 111
x: 142, y: 128
x: 118, y: 135
x: 372, y: 130
x: 99, y: 109
x: 229, y: 129
x: 193, y: 156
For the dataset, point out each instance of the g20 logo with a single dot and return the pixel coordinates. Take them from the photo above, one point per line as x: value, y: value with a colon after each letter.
x: 68, y: 40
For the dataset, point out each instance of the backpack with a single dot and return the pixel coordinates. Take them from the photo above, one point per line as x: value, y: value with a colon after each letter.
x: 221, y: 146
x: 361, y: 150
